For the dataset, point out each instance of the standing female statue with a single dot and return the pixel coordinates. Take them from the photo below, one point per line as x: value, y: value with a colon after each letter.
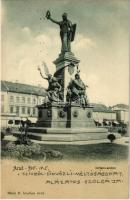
x: 67, y: 31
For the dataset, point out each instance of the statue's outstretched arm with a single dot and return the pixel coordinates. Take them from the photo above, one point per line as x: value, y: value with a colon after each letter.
x: 42, y: 74
x: 54, y: 21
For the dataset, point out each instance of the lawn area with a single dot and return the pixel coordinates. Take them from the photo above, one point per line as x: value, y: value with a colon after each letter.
x: 101, y: 151
x: 98, y: 151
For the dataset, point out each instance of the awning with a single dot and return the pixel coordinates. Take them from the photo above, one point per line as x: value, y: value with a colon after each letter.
x: 32, y: 119
x: 115, y: 122
x: 106, y: 122
x: 100, y: 121
x: 23, y: 118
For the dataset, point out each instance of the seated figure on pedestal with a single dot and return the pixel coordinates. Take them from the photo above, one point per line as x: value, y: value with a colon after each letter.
x: 77, y: 91
x: 54, y: 91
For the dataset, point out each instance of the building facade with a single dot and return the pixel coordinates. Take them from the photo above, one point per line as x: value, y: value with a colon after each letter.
x: 20, y: 100
x: 122, y: 112
x: 103, y: 115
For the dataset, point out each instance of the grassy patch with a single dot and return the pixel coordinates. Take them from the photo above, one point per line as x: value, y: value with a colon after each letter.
x: 101, y: 151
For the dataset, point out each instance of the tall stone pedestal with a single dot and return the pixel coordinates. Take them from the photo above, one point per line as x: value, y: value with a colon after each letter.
x: 65, y: 116
x: 66, y: 121
x: 66, y: 68
x: 61, y: 123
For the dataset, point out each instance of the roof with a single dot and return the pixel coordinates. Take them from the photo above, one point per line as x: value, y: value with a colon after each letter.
x: 22, y: 88
x: 101, y: 108
x: 121, y: 106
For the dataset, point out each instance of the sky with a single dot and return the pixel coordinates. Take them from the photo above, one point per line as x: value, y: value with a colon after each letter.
x: 101, y: 43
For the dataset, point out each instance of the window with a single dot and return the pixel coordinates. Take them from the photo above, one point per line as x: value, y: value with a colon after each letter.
x: 23, y: 99
x: 2, y: 97
x: 17, y: 109
x: 17, y: 99
x: 11, y: 98
x: 28, y: 111
x: 34, y: 101
x: 11, y: 109
x: 40, y: 114
x: 41, y: 101
x: 2, y: 108
x: 29, y: 100
x: 10, y: 122
x: 17, y: 122
x: 34, y: 111
x: 23, y: 110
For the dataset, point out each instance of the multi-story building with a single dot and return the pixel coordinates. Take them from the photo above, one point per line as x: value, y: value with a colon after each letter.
x: 122, y: 112
x: 20, y: 100
x: 103, y: 115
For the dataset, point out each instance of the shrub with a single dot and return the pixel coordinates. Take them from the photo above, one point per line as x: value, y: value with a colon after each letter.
x: 8, y: 130
x: 33, y: 151
x: 9, y: 150
x: 52, y: 154
x: 10, y: 146
x: 36, y: 149
x: 22, y: 139
x: 111, y: 137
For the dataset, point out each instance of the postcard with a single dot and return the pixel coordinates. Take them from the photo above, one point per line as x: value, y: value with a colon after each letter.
x: 64, y: 99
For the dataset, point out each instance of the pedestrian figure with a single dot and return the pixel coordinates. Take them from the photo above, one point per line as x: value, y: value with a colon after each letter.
x: 26, y: 126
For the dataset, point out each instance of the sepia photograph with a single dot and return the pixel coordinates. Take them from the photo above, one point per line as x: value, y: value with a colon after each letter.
x: 64, y: 99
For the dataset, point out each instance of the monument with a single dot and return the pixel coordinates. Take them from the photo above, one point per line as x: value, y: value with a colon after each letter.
x: 66, y: 114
